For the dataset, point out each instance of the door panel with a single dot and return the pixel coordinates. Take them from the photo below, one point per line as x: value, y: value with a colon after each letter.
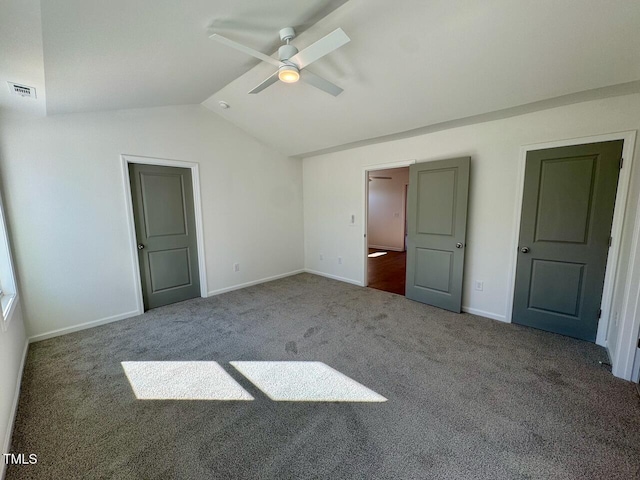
x: 556, y: 287
x: 436, y: 201
x: 437, y: 220
x: 563, y: 213
x: 164, y: 204
x: 433, y: 269
x: 567, y: 211
x: 169, y: 269
x: 165, y: 229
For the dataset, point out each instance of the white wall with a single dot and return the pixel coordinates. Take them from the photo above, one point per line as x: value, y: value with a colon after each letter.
x: 12, y: 349
x: 65, y: 194
x: 386, y: 215
x: 494, y: 147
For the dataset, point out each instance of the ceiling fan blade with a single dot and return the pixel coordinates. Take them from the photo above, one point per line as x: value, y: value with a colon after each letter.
x: 321, y: 83
x: 319, y: 49
x: 242, y: 48
x: 269, y: 81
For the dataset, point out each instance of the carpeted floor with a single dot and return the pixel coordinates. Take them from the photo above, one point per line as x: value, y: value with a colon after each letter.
x: 468, y: 397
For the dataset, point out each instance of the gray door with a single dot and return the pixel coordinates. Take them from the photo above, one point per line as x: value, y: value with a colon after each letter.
x: 567, y: 210
x: 165, y: 230
x: 437, y: 218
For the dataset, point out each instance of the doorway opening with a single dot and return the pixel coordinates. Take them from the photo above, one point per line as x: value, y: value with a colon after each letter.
x: 165, y: 230
x: 387, y: 229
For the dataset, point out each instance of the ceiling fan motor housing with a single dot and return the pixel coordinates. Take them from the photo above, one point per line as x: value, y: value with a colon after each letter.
x: 287, y: 33
x: 285, y: 52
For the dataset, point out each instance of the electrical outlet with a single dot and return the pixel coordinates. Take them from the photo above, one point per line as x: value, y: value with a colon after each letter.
x: 236, y: 267
x: 339, y: 260
x: 479, y: 286
x: 321, y: 257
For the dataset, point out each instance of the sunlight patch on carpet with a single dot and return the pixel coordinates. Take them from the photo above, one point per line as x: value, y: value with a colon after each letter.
x: 376, y: 254
x: 182, y: 381
x: 305, y: 382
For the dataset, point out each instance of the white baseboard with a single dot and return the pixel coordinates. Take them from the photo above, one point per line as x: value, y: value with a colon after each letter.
x: 334, y: 277
x: 482, y: 313
x: 123, y: 316
x: 382, y: 247
x: 14, y: 410
x: 82, y: 326
x: 609, y: 356
x: 252, y: 283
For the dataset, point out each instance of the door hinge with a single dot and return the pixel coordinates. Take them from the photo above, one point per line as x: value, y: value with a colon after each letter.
x: 610, y: 240
x: 600, y: 313
x: 621, y: 162
x: 639, y: 343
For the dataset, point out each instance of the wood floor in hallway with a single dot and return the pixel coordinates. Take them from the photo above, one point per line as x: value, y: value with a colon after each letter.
x: 387, y: 272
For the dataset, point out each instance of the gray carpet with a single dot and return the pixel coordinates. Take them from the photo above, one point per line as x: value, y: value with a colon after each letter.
x: 467, y: 397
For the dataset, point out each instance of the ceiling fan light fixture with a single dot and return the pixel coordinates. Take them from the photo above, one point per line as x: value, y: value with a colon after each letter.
x: 288, y: 74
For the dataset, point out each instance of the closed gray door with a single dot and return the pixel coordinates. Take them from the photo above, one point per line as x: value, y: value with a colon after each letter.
x: 165, y: 229
x: 437, y: 226
x: 567, y: 211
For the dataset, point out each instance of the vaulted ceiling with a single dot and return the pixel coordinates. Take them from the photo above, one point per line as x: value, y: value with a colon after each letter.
x: 410, y: 63
x: 117, y: 54
x: 413, y: 63
x: 126, y: 54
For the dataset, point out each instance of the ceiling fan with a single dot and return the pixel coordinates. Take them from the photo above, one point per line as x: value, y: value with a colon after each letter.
x: 292, y: 64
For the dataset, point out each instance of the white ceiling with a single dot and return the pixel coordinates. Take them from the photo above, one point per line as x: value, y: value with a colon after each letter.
x: 410, y: 64
x: 414, y: 63
x: 116, y: 54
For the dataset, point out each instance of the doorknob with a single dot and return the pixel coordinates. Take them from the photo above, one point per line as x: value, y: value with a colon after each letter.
x: 140, y: 246
x: 458, y: 245
x: 524, y: 249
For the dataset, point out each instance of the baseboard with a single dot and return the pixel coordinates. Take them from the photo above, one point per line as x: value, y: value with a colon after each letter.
x: 609, y: 355
x: 334, y: 277
x: 482, y: 313
x: 382, y: 247
x: 82, y: 326
x: 123, y: 316
x: 252, y: 283
x: 6, y: 448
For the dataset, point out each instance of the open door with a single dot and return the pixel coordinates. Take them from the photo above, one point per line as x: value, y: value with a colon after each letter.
x: 567, y: 211
x: 164, y: 215
x: 437, y: 221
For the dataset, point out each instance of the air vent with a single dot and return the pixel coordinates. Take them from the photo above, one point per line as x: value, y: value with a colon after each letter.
x: 22, y: 90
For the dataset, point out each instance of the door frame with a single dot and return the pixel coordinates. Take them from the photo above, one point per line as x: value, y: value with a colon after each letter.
x: 126, y: 159
x: 405, y: 207
x: 365, y: 227
x: 619, y: 215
